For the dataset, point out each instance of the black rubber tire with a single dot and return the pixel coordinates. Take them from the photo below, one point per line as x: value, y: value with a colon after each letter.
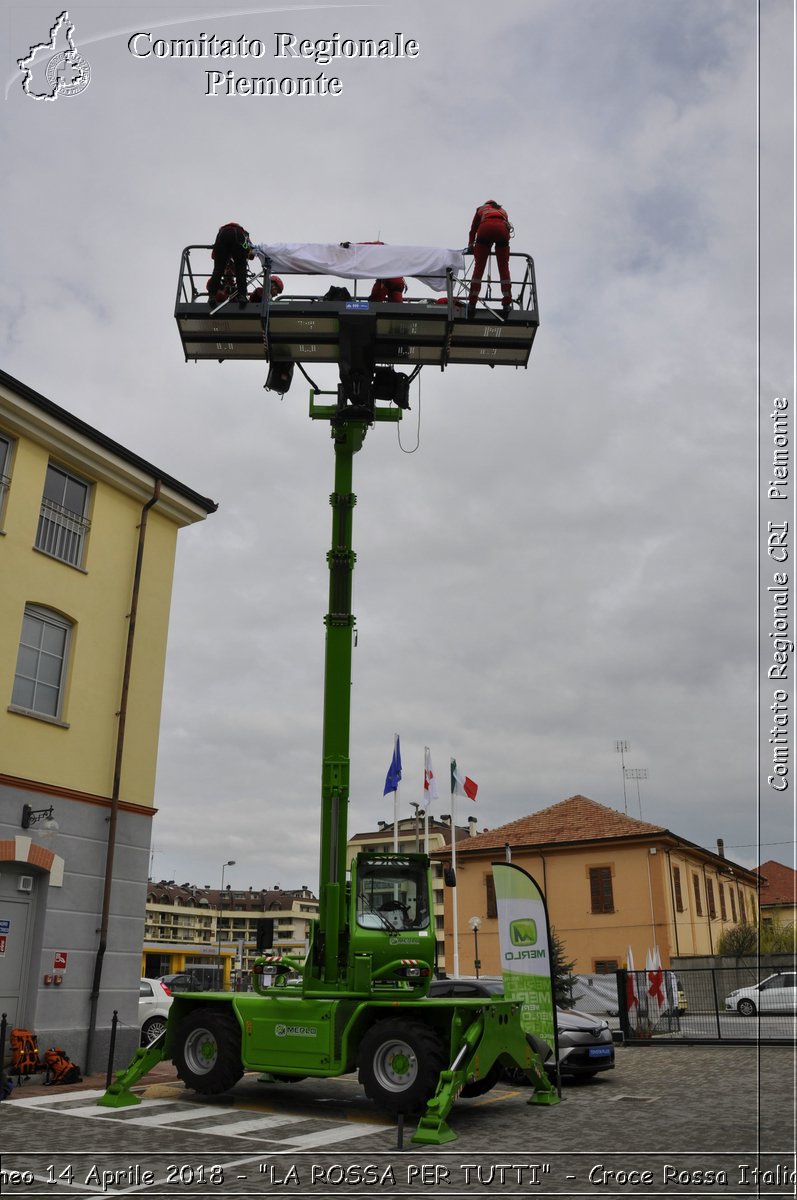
x: 485, y: 1084
x: 746, y: 1007
x: 207, y: 1051
x: 153, y: 1027
x: 400, y: 1064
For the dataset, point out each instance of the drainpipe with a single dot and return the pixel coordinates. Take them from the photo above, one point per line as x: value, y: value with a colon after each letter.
x: 674, y: 909
x: 117, y: 776
x: 708, y: 912
x: 650, y: 893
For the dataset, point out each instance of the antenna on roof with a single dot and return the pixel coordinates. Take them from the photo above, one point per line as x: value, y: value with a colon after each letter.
x: 621, y: 747
x: 637, y: 773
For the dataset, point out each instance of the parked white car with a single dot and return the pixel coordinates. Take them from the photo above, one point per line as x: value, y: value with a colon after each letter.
x: 154, y: 1002
x: 776, y: 993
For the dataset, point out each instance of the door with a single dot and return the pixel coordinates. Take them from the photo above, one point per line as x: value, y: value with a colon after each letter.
x: 16, y: 927
x: 778, y: 994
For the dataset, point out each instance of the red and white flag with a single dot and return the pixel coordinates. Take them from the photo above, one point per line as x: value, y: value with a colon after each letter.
x: 655, y: 975
x: 430, y: 779
x: 430, y: 790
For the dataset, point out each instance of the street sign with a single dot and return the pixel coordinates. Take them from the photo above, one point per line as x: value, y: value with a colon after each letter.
x: 59, y: 960
x: 5, y: 926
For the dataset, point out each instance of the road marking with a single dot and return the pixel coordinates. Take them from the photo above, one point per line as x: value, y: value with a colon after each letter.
x: 224, y: 1121
x: 338, y: 1133
x: 256, y: 1124
x: 203, y: 1113
x: 499, y: 1098
x: 60, y: 1098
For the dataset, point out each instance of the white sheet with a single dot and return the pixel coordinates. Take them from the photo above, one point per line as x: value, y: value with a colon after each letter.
x: 362, y: 261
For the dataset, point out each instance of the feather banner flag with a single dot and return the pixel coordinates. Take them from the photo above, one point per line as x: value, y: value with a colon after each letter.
x: 462, y: 785
x: 394, y: 770
x: 655, y: 975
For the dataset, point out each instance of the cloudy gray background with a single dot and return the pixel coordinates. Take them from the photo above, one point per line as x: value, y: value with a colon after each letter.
x: 568, y: 557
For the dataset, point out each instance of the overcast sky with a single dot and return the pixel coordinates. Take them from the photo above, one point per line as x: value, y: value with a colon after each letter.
x: 548, y: 560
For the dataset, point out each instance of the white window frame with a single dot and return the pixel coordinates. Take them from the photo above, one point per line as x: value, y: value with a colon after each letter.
x: 61, y: 532
x: 45, y: 616
x: 6, y: 450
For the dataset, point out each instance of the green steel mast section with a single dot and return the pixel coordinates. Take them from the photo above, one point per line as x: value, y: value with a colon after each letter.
x: 348, y: 428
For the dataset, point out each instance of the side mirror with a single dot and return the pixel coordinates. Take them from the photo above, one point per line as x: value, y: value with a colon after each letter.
x: 264, y: 934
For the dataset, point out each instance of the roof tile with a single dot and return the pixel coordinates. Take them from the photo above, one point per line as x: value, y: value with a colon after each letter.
x: 576, y: 819
x: 778, y: 883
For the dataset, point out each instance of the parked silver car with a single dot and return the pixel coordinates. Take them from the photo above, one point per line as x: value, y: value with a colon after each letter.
x: 585, y: 1041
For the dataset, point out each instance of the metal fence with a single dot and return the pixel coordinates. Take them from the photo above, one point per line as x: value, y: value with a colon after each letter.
x: 694, y: 1004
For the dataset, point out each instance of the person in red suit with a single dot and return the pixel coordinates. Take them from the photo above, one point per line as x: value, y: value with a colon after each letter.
x: 277, y: 288
x: 490, y: 229
x: 232, y: 245
x: 389, y: 289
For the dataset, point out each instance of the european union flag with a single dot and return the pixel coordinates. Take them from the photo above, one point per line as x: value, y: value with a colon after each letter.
x: 394, y: 770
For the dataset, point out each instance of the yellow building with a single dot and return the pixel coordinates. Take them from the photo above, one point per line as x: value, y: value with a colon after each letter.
x: 611, y: 882
x: 88, y: 534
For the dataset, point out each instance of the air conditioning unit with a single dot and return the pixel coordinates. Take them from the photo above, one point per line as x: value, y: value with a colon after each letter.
x: 25, y: 883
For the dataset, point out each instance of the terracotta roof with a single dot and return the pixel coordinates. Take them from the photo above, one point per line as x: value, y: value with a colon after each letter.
x: 778, y: 883
x: 577, y: 819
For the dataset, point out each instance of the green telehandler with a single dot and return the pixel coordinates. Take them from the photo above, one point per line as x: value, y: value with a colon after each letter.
x: 360, y: 1003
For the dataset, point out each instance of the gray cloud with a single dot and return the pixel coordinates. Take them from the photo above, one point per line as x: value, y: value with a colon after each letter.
x: 569, y: 556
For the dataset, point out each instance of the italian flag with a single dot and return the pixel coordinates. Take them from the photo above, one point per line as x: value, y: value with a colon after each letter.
x: 462, y: 785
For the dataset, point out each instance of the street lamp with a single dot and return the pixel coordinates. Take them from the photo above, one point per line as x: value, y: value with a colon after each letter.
x: 475, y: 923
x: 230, y: 863
x: 419, y: 812
x: 43, y: 817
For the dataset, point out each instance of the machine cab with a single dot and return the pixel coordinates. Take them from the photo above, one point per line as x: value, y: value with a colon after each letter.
x: 390, y: 920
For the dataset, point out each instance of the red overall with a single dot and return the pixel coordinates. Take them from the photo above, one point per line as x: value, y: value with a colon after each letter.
x: 389, y: 289
x: 490, y: 228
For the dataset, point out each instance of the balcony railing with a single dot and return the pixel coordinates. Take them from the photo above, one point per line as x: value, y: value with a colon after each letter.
x: 61, y: 533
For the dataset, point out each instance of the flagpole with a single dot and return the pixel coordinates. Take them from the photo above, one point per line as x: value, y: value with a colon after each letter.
x: 454, y: 868
x: 426, y: 797
x: 395, y: 803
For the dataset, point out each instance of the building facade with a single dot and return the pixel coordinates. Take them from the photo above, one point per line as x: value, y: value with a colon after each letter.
x: 88, y: 534
x: 212, y: 935
x: 612, y: 883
